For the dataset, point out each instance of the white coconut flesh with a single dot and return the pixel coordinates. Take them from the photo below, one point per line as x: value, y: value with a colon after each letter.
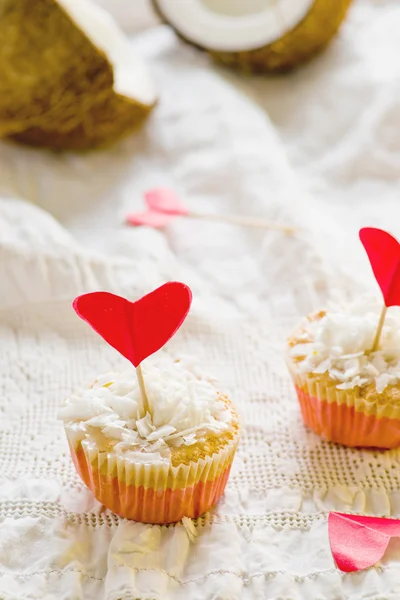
x: 130, y: 74
x: 233, y: 25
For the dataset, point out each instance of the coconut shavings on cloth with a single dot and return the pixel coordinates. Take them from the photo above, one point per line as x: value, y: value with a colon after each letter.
x: 338, y: 343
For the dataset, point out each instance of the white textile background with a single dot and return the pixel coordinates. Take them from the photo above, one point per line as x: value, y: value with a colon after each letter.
x: 132, y: 16
x: 318, y: 148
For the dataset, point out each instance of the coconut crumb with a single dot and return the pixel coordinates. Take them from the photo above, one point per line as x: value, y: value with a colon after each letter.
x: 190, y: 528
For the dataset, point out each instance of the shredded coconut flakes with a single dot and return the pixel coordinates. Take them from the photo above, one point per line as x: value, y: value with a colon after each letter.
x: 339, y: 344
x: 185, y: 407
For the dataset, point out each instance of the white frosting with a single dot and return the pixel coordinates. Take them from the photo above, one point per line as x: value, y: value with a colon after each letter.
x: 339, y: 344
x: 185, y: 406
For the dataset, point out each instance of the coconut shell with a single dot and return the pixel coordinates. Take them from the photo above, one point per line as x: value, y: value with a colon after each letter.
x: 297, y: 46
x: 113, y: 118
x: 56, y: 85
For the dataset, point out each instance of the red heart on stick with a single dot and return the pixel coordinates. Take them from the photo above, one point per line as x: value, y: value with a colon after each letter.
x: 359, y: 542
x: 136, y: 329
x: 384, y: 255
x: 165, y: 201
x: 150, y: 218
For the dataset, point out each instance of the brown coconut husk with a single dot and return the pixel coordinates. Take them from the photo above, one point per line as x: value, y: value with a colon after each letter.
x: 112, y: 119
x: 297, y: 46
x: 56, y: 86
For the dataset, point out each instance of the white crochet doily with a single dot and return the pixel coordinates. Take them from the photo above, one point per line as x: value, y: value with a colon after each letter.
x: 268, y: 538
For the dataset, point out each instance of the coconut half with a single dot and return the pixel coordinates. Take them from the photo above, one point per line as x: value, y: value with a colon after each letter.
x: 68, y: 77
x: 256, y: 35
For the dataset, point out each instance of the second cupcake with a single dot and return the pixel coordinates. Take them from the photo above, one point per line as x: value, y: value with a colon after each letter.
x: 347, y: 393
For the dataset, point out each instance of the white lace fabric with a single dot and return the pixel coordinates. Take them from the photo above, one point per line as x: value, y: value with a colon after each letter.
x: 268, y: 537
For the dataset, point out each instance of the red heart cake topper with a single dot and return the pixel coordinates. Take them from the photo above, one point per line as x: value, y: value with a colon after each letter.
x: 384, y: 255
x: 136, y: 329
x: 150, y: 218
x: 165, y: 201
x: 359, y: 542
x: 163, y: 206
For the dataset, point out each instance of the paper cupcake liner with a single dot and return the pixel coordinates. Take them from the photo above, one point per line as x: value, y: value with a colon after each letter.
x: 343, y: 417
x: 153, y: 493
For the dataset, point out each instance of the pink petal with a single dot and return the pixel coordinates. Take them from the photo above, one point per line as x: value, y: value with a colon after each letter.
x: 359, y: 542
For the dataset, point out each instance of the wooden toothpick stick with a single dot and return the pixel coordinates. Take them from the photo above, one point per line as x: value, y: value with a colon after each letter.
x: 145, y: 400
x: 245, y: 221
x: 379, y: 329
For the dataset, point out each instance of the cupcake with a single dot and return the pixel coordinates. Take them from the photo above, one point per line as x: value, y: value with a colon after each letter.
x: 158, y: 467
x: 347, y: 393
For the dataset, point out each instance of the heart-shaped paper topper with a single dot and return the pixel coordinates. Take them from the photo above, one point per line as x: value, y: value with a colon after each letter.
x: 359, y: 542
x: 165, y: 201
x: 384, y: 255
x: 136, y: 329
x: 150, y: 218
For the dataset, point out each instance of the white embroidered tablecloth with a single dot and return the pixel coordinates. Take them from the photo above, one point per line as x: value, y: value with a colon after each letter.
x: 319, y: 148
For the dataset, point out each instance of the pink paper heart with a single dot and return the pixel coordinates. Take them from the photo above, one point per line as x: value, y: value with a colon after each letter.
x: 150, y: 219
x: 165, y: 201
x: 359, y: 542
x: 384, y: 255
x: 136, y: 329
